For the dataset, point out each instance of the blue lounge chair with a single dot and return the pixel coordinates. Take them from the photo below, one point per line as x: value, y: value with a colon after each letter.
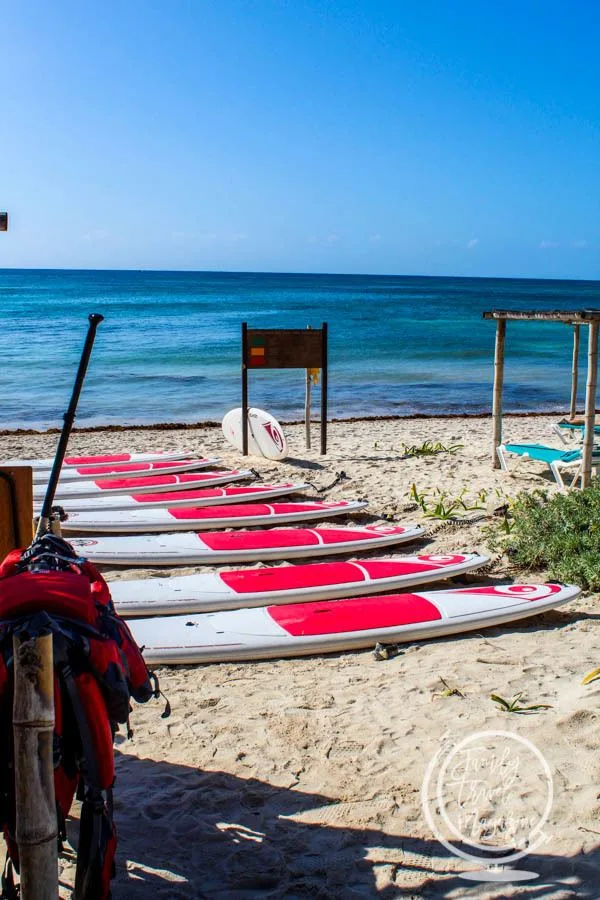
x: 573, y: 429
x: 555, y: 459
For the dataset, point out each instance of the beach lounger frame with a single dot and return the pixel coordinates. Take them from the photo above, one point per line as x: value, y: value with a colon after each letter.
x: 563, y: 461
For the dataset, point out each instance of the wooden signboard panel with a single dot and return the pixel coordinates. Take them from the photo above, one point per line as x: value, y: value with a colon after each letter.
x: 290, y: 348
x: 16, y: 508
x: 3, y: 221
x: 284, y: 348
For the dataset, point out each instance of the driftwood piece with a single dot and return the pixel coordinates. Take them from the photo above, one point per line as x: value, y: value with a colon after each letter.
x: 33, y: 728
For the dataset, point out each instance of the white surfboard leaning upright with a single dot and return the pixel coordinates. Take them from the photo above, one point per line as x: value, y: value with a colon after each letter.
x: 265, y: 434
x: 215, y: 547
x: 214, y: 591
x: 238, y: 515
x: 300, y: 629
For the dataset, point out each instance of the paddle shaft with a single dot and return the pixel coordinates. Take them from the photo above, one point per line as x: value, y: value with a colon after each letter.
x: 68, y: 419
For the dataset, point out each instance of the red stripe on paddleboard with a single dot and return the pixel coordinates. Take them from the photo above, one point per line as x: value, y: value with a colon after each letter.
x: 133, y: 467
x: 92, y: 460
x: 247, y: 510
x: 524, y: 591
x: 200, y: 494
x: 184, y: 478
x: 363, y: 614
x: 386, y: 568
x: 344, y: 535
x: 260, y: 540
x: 291, y: 577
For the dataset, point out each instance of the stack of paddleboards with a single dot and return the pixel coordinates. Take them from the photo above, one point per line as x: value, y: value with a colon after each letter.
x: 156, y: 513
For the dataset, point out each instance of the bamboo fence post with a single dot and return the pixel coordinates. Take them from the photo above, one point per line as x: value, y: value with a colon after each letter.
x: 498, y: 384
x: 574, y: 371
x: 307, y: 399
x: 590, y: 403
x: 33, y: 729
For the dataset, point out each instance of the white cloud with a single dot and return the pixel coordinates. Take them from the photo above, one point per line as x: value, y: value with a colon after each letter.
x: 332, y: 238
x: 472, y: 243
x: 549, y: 245
x: 374, y: 238
x: 579, y: 245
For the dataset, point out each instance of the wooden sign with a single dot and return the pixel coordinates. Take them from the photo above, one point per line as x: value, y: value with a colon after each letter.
x: 290, y: 348
x: 3, y: 221
x: 284, y: 348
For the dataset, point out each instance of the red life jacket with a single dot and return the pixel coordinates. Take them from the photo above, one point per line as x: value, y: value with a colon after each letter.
x: 97, y: 668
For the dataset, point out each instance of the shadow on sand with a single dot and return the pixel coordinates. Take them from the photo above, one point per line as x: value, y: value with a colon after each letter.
x: 188, y: 833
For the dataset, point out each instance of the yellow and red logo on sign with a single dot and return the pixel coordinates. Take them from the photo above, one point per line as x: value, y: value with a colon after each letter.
x: 257, y: 351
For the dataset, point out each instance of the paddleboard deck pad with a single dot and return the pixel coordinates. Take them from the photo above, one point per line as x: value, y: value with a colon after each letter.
x: 213, y: 547
x: 300, y: 629
x: 265, y: 434
x: 201, y: 497
x: 215, y: 591
x: 149, y: 485
x: 126, y: 470
x: 240, y: 515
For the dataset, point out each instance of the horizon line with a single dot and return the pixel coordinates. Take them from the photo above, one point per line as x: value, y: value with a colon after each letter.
x: 299, y: 274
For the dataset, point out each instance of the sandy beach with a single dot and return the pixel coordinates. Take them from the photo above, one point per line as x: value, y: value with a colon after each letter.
x: 302, y: 778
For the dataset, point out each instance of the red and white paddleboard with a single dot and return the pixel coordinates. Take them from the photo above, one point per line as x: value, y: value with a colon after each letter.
x: 200, y: 497
x: 126, y: 470
x: 243, y: 515
x: 213, y: 547
x: 107, y: 459
x: 299, y: 629
x: 151, y: 484
x: 284, y: 584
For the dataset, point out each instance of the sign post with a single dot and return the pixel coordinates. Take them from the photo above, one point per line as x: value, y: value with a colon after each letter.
x: 284, y: 348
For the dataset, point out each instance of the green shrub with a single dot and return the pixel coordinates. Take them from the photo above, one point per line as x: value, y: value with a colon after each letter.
x: 560, y: 534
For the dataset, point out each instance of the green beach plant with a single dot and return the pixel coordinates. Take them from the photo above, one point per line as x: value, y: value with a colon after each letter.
x: 441, y: 505
x: 515, y: 706
x: 428, y: 448
x: 559, y: 534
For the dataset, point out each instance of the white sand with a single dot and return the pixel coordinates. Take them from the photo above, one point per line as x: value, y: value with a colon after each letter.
x: 302, y: 778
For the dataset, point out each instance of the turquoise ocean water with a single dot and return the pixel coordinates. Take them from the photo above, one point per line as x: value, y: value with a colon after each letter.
x: 169, y: 349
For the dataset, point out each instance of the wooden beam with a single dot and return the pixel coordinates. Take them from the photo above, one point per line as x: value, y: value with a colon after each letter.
x: 16, y: 508
x: 33, y: 729
x: 498, y: 384
x: 574, y: 371
x: 541, y: 315
x: 590, y: 404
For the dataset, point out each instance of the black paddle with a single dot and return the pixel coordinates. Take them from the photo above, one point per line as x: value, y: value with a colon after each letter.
x: 43, y: 526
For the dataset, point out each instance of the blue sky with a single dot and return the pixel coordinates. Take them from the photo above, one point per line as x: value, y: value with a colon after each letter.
x: 425, y: 137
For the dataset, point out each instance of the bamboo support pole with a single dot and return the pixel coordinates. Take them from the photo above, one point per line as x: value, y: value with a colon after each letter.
x: 574, y: 372
x: 590, y: 403
x: 498, y: 384
x: 33, y: 729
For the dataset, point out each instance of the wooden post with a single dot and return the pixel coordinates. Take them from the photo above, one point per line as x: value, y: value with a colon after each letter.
x: 244, y: 389
x: 33, y: 729
x: 307, y: 408
x: 498, y: 384
x: 590, y: 404
x: 574, y: 372
x: 324, y: 374
x: 16, y: 508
